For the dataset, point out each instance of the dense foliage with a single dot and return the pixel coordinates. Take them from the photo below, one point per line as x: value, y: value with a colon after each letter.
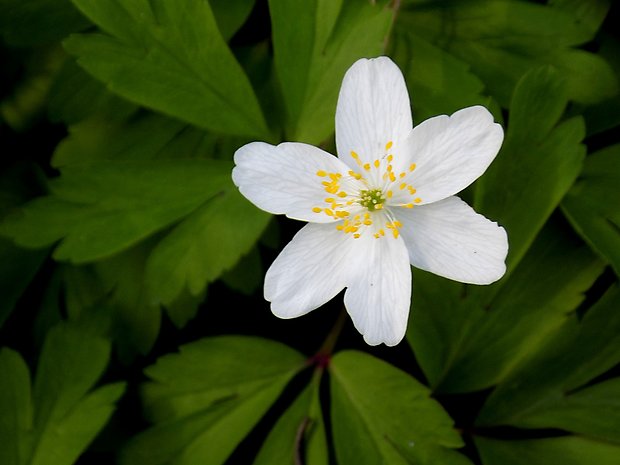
x: 132, y: 323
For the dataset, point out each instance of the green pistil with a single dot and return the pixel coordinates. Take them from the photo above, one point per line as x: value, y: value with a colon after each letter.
x: 372, y: 199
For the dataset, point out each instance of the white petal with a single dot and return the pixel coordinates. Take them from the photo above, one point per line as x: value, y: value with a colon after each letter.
x: 283, y: 179
x: 373, y: 109
x: 314, y: 267
x: 379, y: 297
x: 450, y: 239
x: 452, y: 152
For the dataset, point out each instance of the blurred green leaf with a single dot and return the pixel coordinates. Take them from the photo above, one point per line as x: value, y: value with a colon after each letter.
x: 204, y: 245
x: 503, y: 39
x: 205, y: 399
x: 75, y: 95
x: 438, y: 83
x: 557, y: 370
x: 99, y: 209
x: 299, y: 435
x: 313, y: 52
x: 588, y: 15
x: 592, y: 204
x: 172, y: 58
x: 467, y: 339
x: 230, y: 14
x: 564, y: 450
x: 36, y: 22
x: 539, y: 161
x: 56, y: 422
x: 382, y: 415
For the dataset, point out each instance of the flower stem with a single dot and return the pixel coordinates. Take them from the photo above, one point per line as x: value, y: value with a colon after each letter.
x: 323, y: 355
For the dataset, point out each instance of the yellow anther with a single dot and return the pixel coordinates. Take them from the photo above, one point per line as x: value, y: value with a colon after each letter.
x: 329, y: 212
x: 395, y: 233
x: 354, y: 155
x: 402, y: 175
x: 376, y: 163
x: 392, y: 177
x: 342, y: 194
x: 390, y: 157
x: 398, y: 224
x: 321, y: 173
x: 409, y: 205
x: 417, y: 200
x: 367, y: 166
x: 382, y: 232
x: 379, y: 206
x: 356, y: 236
x: 402, y: 186
x: 389, y: 167
x: 342, y: 214
x: 335, y: 176
x: 367, y: 222
x: 389, y: 194
x: 412, y: 167
x: 376, y: 235
x: 411, y: 190
x: 329, y: 199
x: 317, y: 210
x: 388, y: 146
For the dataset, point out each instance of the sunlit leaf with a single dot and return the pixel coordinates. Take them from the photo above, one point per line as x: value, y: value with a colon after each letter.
x: 203, y: 246
x: 172, y: 58
x: 205, y: 399
x: 313, y: 52
x: 387, y: 415
x: 98, y: 209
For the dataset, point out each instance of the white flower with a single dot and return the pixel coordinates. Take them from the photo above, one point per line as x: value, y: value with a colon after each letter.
x: 386, y: 202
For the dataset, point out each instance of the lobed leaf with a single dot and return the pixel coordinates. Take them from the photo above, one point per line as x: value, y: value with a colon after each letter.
x: 205, y: 399
x: 171, y: 58
x: 55, y: 422
x: 404, y: 427
x: 312, y: 53
x: 591, y: 205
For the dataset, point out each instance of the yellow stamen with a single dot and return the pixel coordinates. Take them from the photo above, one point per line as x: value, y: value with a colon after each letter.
x: 321, y: 173
x: 388, y: 146
x: 317, y: 210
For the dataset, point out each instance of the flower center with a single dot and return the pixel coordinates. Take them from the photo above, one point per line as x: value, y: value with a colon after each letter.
x: 372, y: 199
x: 347, y: 193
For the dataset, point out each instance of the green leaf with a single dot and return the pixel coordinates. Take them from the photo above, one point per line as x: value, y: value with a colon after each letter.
x: 592, y: 206
x: 504, y: 39
x: 387, y: 415
x: 299, y: 434
x: 15, y: 408
x: 593, y: 411
x: 313, y: 52
x: 247, y: 275
x: 588, y: 15
x: 565, y: 450
x: 438, y: 82
x: 99, y: 209
x: 538, y: 163
x: 75, y: 95
x: 558, y: 369
x: 63, y: 415
x: 171, y: 58
x: 205, y: 399
x: 230, y: 14
x: 36, y: 22
x: 203, y: 246
x: 469, y: 338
